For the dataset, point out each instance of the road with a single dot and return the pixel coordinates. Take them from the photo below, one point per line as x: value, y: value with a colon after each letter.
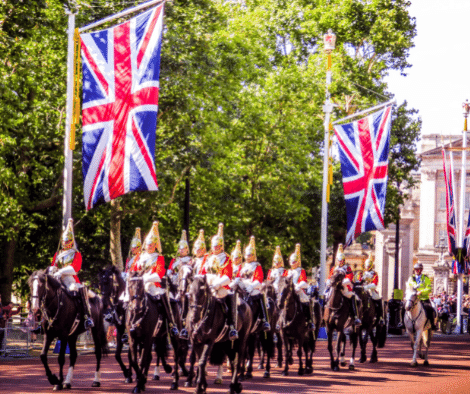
x: 449, y: 372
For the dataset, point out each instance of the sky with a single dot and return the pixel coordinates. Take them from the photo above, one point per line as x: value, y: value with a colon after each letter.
x: 438, y: 83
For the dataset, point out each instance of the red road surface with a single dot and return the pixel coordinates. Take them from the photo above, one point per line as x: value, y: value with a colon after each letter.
x: 449, y: 372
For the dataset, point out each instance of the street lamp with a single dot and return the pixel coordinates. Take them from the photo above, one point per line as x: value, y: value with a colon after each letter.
x: 441, y: 246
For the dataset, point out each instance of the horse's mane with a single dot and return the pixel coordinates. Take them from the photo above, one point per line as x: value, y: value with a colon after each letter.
x: 116, y: 271
x: 41, y: 274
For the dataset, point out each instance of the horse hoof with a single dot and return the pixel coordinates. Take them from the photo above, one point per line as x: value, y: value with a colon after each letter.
x: 156, y: 377
x: 373, y: 360
x: 426, y: 363
x: 96, y: 384
x: 218, y: 381
x: 238, y: 388
x: 136, y: 390
x: 414, y: 364
x: 188, y: 384
x: 174, y: 386
x: 285, y: 373
x: 343, y: 363
x: 128, y: 380
x: 291, y: 361
x: 352, y: 368
x: 168, y: 368
x: 248, y: 375
x: 279, y: 365
x: 308, y: 370
x: 300, y: 372
x: 54, y: 380
x: 266, y: 375
x: 58, y: 387
x: 421, y: 356
x: 67, y: 386
x: 336, y: 368
x: 363, y: 359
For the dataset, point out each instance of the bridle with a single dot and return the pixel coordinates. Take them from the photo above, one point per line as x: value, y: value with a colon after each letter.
x: 143, y: 305
x: 287, y: 298
x: 42, y: 300
x: 337, y: 284
x: 413, y: 306
x: 203, y: 308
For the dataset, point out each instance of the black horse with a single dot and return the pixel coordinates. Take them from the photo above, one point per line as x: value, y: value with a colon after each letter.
x: 336, y: 317
x: 293, y: 327
x: 63, y: 319
x: 112, y: 286
x: 146, y: 323
x: 208, y: 332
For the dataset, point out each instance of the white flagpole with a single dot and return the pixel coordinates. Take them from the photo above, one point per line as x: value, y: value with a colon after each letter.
x: 391, y: 102
x: 120, y: 14
x: 68, y: 162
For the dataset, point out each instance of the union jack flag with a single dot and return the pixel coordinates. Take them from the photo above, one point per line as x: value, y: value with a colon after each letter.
x: 450, y: 204
x: 121, y: 67
x: 363, y: 151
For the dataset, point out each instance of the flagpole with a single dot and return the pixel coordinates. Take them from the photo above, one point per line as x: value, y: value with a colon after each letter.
x: 68, y: 153
x: 120, y: 14
x: 391, y: 102
x: 329, y: 41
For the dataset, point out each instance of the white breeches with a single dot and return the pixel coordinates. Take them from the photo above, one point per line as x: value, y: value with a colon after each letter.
x: 374, y: 294
x: 69, y: 283
x: 153, y: 290
x: 219, y: 293
x: 347, y: 293
x: 303, y: 297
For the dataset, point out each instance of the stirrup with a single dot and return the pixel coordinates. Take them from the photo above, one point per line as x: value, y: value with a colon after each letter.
x: 381, y: 321
x: 310, y: 326
x: 89, y: 323
x: 232, y: 334
x: 108, y: 317
x: 266, y: 326
x: 357, y: 321
x: 174, y: 331
x: 400, y: 325
x: 184, y: 334
x: 124, y: 338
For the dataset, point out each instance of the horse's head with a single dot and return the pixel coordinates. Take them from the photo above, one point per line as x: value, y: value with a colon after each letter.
x: 185, y: 276
x: 198, y: 295
x: 40, y: 283
x: 411, y: 299
x: 337, y: 278
x: 135, y: 287
x: 285, y: 289
x: 111, y: 285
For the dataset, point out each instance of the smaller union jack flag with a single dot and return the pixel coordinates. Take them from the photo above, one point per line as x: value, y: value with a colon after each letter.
x: 121, y: 69
x: 450, y: 204
x: 363, y: 150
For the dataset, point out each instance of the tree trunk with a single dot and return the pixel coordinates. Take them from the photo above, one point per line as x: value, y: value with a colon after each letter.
x: 115, y: 234
x: 6, y: 268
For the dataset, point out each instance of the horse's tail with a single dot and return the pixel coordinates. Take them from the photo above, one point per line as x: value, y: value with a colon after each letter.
x: 99, y: 326
x: 217, y: 353
x: 381, y: 335
x: 160, y: 347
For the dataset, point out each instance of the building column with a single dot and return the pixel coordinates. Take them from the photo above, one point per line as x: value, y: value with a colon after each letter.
x: 427, y: 209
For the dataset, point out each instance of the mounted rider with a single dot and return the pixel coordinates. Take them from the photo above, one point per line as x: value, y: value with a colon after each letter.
x: 251, y: 275
x: 65, y: 266
x: 277, y: 271
x: 237, y: 259
x: 182, y: 259
x: 153, y: 264
x: 134, y: 253
x: 299, y: 278
x: 347, y: 290
x: 370, y: 279
x: 199, y: 251
x: 218, y: 271
x: 422, y: 284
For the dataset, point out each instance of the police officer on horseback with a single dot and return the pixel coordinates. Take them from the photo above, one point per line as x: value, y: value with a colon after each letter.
x: 65, y: 266
x: 370, y: 279
x: 347, y: 290
x: 218, y: 270
x: 252, y: 277
x: 299, y: 278
x: 153, y: 264
x: 422, y: 284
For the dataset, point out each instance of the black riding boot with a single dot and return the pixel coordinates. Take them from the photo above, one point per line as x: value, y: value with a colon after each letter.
x: 38, y: 330
x: 401, y: 316
x: 355, y: 315
x: 169, y: 315
x: 379, y: 311
x: 264, y: 312
x: 230, y: 301
x: 86, y: 308
x: 308, y: 316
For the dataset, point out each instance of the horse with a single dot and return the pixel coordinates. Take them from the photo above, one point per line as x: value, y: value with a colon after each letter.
x: 336, y: 318
x: 418, y: 327
x: 112, y: 286
x: 145, y: 323
x: 369, y: 322
x: 208, y: 332
x: 62, y: 319
x: 293, y: 326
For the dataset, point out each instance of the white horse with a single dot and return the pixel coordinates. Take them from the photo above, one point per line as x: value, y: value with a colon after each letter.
x: 417, y: 323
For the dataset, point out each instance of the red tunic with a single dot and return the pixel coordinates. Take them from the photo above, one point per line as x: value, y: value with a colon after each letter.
x: 284, y: 273
x: 258, y: 275
x: 226, y: 269
x: 159, y: 268
x: 201, y: 268
x: 76, y: 263
x: 375, y: 278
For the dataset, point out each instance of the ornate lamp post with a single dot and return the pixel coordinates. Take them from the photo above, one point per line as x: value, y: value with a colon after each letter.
x: 329, y: 41
x: 441, y: 246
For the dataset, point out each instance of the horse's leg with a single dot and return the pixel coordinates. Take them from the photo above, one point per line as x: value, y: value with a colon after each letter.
x: 133, y: 360
x: 279, y: 351
x: 416, y: 343
x: 299, y: 355
x: 374, y: 339
x: 363, y: 339
x: 267, y: 346
x: 117, y: 355
x: 353, y: 338
x: 183, y: 346
x: 176, y: 352
x: 220, y: 374
x: 45, y: 348
x: 285, y: 341
x: 250, y: 356
x: 61, y: 359
x: 330, y: 349
x: 73, y: 359
x: 427, y: 343
x: 339, y: 341
x: 201, y: 379
x: 98, y: 337
x: 144, y: 363
x: 192, y: 361
x: 342, y: 341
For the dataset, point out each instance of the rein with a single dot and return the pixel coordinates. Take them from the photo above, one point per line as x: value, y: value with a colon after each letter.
x: 330, y: 301
x: 145, y: 306
x: 284, y: 309
x: 44, y: 307
x: 413, y: 321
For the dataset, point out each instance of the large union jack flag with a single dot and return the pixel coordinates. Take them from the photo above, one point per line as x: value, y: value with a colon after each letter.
x: 121, y: 67
x: 450, y: 203
x: 363, y: 150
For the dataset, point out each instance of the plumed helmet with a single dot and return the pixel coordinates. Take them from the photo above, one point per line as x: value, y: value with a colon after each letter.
x: 237, y: 252
x: 218, y: 240
x: 369, y: 263
x: 68, y: 238
x: 153, y: 238
x: 295, y: 257
x: 418, y: 266
x: 277, y: 259
x: 251, y: 248
x: 183, y: 243
x: 340, y: 257
x: 199, y: 243
x: 136, y: 243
